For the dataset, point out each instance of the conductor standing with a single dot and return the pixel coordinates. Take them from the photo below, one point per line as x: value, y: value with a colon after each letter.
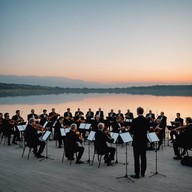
x: 139, y: 129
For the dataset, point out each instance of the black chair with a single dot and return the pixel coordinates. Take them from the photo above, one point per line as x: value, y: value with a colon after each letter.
x: 24, y: 147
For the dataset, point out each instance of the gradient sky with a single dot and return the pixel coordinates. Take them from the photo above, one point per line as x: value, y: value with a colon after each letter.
x: 108, y: 41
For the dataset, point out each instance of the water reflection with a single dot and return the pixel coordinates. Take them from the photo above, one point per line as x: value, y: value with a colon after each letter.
x: 169, y: 104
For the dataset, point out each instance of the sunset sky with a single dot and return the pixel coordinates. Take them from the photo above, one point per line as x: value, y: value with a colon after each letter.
x: 108, y: 41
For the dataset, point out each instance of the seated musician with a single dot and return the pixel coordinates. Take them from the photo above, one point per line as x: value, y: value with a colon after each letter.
x: 118, y: 125
x: 43, y: 117
x: 53, y: 116
x: 100, y: 114
x: 159, y: 131
x: 68, y: 117
x: 184, y: 138
x: 90, y: 114
x: 177, y: 123
x: 119, y: 114
x: 31, y: 136
x: 32, y: 115
x: 78, y: 113
x: 95, y: 123
x: 112, y: 113
x: 129, y: 114
x: 8, y: 129
x: 101, y: 146
x: 150, y: 115
x: 71, y: 144
x: 57, y: 133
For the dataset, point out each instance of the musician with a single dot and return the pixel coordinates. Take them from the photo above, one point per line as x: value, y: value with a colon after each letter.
x: 112, y: 113
x: 31, y: 136
x: 72, y: 146
x: 158, y: 130
x: 101, y: 146
x: 68, y: 117
x: 32, y: 115
x: 59, y: 124
x: 184, y: 139
x: 177, y: 123
x: 129, y: 114
x: 118, y: 125
x: 43, y: 117
x: 151, y: 115
x: 100, y: 114
x: 17, y: 118
x: 53, y: 115
x: 95, y: 123
x: 139, y: 129
x: 163, y: 123
x: 90, y: 114
x: 119, y: 114
x: 111, y: 118
x: 1, y: 122
x: 8, y: 129
x: 78, y: 113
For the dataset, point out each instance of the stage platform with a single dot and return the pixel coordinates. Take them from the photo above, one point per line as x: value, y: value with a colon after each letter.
x: 17, y: 174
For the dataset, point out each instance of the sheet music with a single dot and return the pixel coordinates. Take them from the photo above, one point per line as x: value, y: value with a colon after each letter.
x: 21, y: 127
x: 46, y: 135
x: 45, y: 124
x: 126, y: 137
x: 63, y: 133
x: 114, y: 136
x: 128, y: 120
x: 67, y: 130
x: 152, y: 137
x: 87, y: 126
x: 91, y: 136
x: 82, y: 126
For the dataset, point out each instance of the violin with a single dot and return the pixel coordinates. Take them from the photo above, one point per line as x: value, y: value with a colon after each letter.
x: 39, y: 127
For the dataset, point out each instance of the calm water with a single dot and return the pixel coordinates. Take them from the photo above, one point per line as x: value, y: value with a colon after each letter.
x: 169, y: 104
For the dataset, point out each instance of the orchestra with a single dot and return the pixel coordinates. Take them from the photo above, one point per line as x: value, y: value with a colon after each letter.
x: 102, y: 126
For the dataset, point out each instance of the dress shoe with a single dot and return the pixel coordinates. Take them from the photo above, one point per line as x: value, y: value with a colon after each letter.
x: 40, y: 156
x: 142, y: 174
x: 79, y: 162
x: 177, y: 158
x: 135, y: 176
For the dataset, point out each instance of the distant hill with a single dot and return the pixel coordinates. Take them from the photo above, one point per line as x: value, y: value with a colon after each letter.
x: 158, y: 90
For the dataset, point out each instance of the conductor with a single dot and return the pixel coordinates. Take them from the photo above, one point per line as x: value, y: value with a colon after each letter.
x: 139, y: 129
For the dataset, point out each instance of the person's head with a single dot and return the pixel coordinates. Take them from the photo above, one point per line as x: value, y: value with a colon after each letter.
x: 128, y: 110
x: 178, y: 115
x: 158, y: 121
x: 150, y: 111
x: 89, y: 109
x: 100, y: 126
x: 99, y: 109
x: 140, y: 110
x: 68, y: 109
x: 112, y: 110
x: 61, y: 119
x: 188, y: 120
x: 44, y: 111
x: 31, y: 121
x: 119, y: 111
x: 6, y: 115
x: 118, y: 119
x: 17, y: 112
x: 32, y: 111
x: 1, y: 115
x: 97, y: 117
x: 78, y: 109
x: 73, y: 127
x: 53, y: 110
x: 162, y: 113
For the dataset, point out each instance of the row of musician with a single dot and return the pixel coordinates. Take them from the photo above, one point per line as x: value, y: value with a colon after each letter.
x: 115, y: 122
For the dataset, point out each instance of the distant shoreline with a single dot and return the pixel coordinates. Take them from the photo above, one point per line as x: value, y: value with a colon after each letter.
x: 156, y: 90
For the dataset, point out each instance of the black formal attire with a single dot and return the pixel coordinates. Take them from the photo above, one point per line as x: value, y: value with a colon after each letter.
x: 32, y: 138
x: 78, y: 113
x: 89, y: 115
x: 111, y: 114
x: 8, y: 130
x: 43, y: 119
x: 68, y: 118
x: 178, y: 122
x: 34, y: 116
x: 101, y: 146
x: 57, y: 133
x: 72, y: 145
x: 163, y: 123
x: 139, y: 129
x: 95, y: 124
x: 100, y: 113
x: 129, y: 115
x: 184, y: 140
x: 151, y: 115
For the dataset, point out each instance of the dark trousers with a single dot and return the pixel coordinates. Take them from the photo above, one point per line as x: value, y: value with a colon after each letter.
x: 80, y: 151
x: 140, y: 153
x: 110, y: 153
x: 39, y: 143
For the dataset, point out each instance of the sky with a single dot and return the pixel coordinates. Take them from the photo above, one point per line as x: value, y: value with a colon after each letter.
x: 105, y: 41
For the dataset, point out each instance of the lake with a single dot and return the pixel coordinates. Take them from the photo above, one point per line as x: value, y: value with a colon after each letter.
x: 170, y: 105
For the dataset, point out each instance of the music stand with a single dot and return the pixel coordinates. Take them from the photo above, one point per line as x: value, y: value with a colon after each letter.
x: 115, y: 137
x: 64, y: 131
x: 152, y: 137
x: 21, y: 129
x: 126, y: 137
x: 90, y: 138
x: 45, y: 138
